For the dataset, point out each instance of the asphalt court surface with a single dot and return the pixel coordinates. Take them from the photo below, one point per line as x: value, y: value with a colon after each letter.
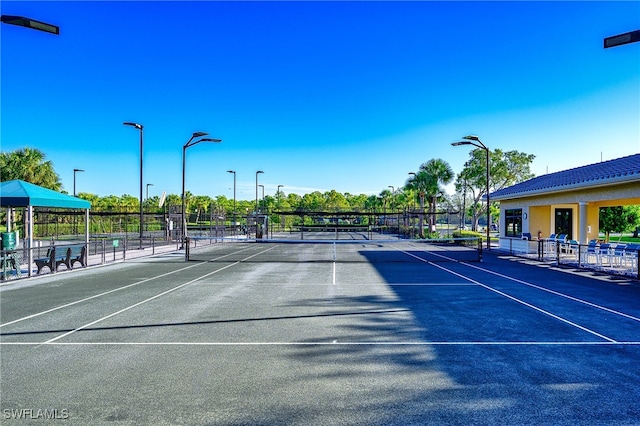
x: 163, y: 341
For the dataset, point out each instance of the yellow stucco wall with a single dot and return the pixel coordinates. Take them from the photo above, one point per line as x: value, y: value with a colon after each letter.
x: 540, y: 209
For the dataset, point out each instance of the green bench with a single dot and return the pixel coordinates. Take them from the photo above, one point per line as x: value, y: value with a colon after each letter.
x: 63, y: 256
x: 74, y: 254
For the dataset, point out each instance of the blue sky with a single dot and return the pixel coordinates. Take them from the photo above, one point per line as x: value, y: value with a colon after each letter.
x: 337, y: 95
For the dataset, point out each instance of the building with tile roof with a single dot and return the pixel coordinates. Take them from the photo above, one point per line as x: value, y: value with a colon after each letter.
x: 568, y: 202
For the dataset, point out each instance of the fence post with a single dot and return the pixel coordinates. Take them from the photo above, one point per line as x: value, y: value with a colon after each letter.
x: 540, y: 250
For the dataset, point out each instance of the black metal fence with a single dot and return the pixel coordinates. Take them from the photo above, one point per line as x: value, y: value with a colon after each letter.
x: 612, y: 258
x: 49, y: 257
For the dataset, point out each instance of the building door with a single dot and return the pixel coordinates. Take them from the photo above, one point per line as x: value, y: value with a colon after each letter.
x: 564, y: 222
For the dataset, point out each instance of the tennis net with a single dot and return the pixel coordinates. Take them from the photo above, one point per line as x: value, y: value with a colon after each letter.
x: 204, y: 249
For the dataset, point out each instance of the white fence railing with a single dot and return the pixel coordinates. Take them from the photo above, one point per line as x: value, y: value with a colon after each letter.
x: 614, y: 258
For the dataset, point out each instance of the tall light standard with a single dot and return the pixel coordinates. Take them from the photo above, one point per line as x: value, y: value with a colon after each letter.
x: 74, y: 180
x: 234, y: 199
x: 413, y: 207
x: 30, y: 23
x: 256, y: 214
x: 190, y: 142
x: 75, y: 226
x: 148, y: 185
x: 393, y: 202
x: 263, y: 205
x: 257, y: 173
x: 139, y: 127
x: 475, y: 141
x: 278, y: 201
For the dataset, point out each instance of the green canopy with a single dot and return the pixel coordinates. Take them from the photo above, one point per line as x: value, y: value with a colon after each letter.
x: 18, y: 193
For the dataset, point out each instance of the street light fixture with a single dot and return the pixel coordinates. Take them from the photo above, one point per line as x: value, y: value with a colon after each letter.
x: 475, y: 141
x: 139, y: 127
x: 190, y: 142
x: 263, y: 204
x: 256, y: 211
x: 278, y: 203
x: 148, y: 185
x: 234, y: 199
x: 257, y: 173
x: 21, y: 21
x: 74, y: 180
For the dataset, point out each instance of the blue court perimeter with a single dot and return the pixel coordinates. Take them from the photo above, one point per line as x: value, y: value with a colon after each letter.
x: 422, y: 341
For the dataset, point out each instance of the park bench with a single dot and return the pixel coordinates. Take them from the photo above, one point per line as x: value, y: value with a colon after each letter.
x: 51, y: 260
x: 66, y: 257
x: 74, y: 254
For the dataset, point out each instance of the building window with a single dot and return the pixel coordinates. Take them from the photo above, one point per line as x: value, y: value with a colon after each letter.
x: 513, y: 222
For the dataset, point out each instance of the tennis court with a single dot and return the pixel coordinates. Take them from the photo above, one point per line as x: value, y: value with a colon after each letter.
x: 349, y: 331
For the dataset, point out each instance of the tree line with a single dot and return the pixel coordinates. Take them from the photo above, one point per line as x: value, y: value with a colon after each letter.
x: 423, y: 191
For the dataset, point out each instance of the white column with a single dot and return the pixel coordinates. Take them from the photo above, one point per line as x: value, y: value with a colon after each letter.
x: 86, y: 228
x: 583, y: 232
x: 30, y: 238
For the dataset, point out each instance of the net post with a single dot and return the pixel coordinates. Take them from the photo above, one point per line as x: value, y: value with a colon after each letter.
x: 638, y: 262
x: 187, y: 243
x: 479, y: 249
x: 540, y: 249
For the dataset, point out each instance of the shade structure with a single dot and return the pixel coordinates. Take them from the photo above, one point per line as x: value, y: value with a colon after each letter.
x: 18, y: 193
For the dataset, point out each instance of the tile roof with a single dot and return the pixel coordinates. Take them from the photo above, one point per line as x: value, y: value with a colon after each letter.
x: 625, y: 169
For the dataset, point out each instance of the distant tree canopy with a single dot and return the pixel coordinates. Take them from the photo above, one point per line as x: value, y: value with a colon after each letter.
x: 506, y: 168
x: 29, y: 165
x: 619, y: 219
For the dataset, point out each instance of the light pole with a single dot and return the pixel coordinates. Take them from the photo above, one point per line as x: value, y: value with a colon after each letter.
x: 263, y: 206
x: 475, y: 141
x: 139, y: 127
x: 74, y: 180
x: 75, y: 226
x: 413, y: 207
x: 234, y: 199
x: 30, y: 23
x: 190, y: 142
x: 256, y: 214
x: 148, y: 185
x: 257, y: 173
x: 278, y: 196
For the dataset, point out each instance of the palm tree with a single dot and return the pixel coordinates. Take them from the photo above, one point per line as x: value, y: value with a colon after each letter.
x: 29, y: 164
x: 426, y: 183
x: 420, y: 183
x: 441, y: 173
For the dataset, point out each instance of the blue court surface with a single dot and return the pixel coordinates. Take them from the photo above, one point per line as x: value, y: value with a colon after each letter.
x: 392, y: 333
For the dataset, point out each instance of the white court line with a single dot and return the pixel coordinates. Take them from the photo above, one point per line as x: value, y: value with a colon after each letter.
x: 95, y: 296
x: 575, y: 299
x: 151, y: 298
x: 515, y: 299
x: 106, y: 292
x: 333, y: 281
x: 506, y: 343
